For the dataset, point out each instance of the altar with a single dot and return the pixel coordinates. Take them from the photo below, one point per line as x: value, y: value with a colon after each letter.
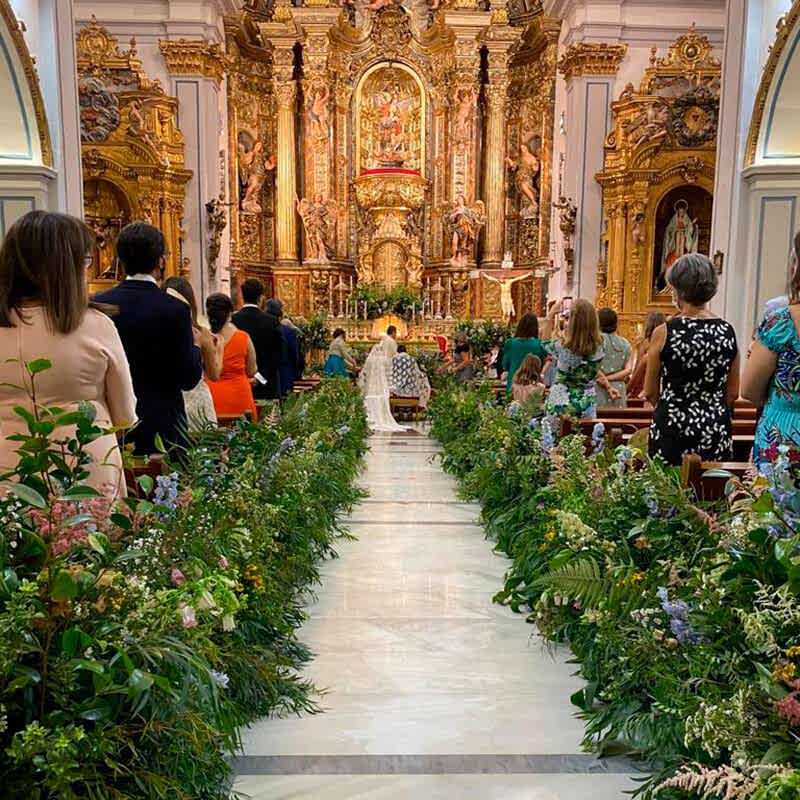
x: 382, y: 161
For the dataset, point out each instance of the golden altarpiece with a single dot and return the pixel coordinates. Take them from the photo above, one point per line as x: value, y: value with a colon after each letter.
x: 132, y: 151
x: 658, y: 178
x: 385, y: 146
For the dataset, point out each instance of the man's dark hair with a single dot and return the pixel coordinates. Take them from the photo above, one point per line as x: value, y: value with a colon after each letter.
x: 252, y: 290
x: 140, y: 248
x: 391, y: 330
x: 401, y: 348
x: 608, y: 320
x: 339, y: 332
x: 274, y: 307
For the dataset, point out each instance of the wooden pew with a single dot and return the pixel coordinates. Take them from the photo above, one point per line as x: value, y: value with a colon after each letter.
x: 708, y: 479
x: 153, y: 466
x: 406, y: 409
x: 231, y: 420
x: 614, y: 435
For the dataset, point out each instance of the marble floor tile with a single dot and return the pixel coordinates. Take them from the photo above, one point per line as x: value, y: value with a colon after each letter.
x: 435, y: 787
x: 417, y: 662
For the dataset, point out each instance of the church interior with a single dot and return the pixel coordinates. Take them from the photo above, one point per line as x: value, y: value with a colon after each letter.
x: 419, y: 165
x: 448, y: 160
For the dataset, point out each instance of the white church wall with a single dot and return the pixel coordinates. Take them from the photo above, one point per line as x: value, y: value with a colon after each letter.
x: 640, y: 25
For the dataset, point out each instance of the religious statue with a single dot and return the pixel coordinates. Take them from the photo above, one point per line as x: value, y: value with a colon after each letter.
x: 649, y: 126
x: 318, y: 217
x: 506, y: 298
x: 680, y: 237
x: 217, y: 222
x: 464, y: 224
x: 465, y: 105
x: 253, y: 169
x: 568, y: 218
x: 137, y: 125
x: 526, y: 172
x: 637, y: 230
x: 318, y: 111
x: 414, y: 268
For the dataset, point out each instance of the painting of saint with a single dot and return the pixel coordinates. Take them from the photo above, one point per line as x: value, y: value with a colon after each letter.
x: 683, y: 225
x: 390, y: 110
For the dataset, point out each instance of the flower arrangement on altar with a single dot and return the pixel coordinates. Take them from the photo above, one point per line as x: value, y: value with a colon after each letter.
x: 684, y: 617
x: 137, y: 636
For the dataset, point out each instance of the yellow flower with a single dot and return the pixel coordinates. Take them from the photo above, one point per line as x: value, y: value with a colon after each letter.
x: 637, y: 577
x: 550, y: 535
x: 793, y: 652
x: 783, y: 671
x: 542, y: 548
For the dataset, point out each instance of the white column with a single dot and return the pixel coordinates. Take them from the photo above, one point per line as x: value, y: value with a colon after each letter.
x: 50, y: 36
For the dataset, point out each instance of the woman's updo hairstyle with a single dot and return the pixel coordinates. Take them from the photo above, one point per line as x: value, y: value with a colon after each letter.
x: 219, y: 307
x: 694, y: 279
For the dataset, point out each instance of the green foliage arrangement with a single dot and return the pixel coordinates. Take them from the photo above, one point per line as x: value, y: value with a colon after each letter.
x: 137, y: 637
x: 482, y: 335
x: 315, y: 333
x: 399, y: 301
x: 684, y: 619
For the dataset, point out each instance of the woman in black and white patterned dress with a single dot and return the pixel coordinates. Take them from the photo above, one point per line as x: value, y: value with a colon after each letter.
x: 692, y: 371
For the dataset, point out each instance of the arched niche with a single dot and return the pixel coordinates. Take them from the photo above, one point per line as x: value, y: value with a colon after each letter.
x: 26, y: 156
x: 774, y: 137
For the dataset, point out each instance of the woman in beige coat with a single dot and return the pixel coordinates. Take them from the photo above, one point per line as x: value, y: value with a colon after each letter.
x: 45, y: 314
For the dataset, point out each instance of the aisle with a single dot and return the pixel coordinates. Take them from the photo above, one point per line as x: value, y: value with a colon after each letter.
x: 433, y: 691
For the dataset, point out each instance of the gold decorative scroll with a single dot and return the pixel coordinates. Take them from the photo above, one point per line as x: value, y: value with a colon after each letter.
x: 591, y: 59
x: 194, y: 57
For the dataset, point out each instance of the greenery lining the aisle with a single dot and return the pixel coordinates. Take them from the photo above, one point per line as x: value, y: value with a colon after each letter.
x: 684, y: 618
x: 136, y: 639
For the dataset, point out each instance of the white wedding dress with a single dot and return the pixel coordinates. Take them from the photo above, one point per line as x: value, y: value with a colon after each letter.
x: 374, y: 384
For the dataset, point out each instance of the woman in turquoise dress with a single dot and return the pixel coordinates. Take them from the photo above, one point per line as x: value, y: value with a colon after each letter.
x: 525, y: 341
x: 340, y: 361
x: 772, y: 380
x: 578, y: 361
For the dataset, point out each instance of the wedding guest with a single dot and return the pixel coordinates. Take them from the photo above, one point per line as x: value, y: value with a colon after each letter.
x: 266, y: 333
x: 232, y: 392
x: 692, y: 370
x: 463, y: 364
x: 156, y: 332
x: 524, y: 342
x: 494, y: 360
x: 617, y: 363
x: 577, y: 361
x: 291, y: 363
x: 45, y: 314
x: 198, y: 401
x: 527, y: 381
x: 636, y: 382
x: 407, y: 379
x: 340, y: 362
x: 771, y: 377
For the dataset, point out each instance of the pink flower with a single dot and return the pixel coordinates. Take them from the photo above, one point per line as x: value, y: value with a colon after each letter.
x: 177, y: 577
x: 223, y: 562
x: 188, y: 617
x: 789, y: 709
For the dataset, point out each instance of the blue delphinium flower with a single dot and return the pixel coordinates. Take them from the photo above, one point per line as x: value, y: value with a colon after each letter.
x: 678, y: 613
x: 624, y: 456
x: 534, y: 423
x: 166, y: 494
x: 220, y: 678
x: 598, y: 437
x: 287, y: 444
x: 548, y: 438
x: 651, y: 501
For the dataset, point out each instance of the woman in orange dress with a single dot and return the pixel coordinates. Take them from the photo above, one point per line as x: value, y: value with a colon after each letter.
x: 232, y: 393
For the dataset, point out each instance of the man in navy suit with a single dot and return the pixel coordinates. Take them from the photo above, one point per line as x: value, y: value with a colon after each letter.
x: 292, y: 363
x: 266, y: 332
x: 157, y: 334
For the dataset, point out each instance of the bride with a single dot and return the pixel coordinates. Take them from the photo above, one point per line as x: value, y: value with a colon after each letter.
x: 374, y: 384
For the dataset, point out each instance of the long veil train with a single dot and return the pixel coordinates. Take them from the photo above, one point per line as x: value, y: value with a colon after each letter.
x: 374, y: 384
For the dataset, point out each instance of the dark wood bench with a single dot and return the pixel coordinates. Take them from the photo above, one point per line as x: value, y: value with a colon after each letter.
x: 708, y: 479
x: 406, y: 409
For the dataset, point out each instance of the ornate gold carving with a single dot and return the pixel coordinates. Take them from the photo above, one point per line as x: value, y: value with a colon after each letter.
x: 32, y: 77
x: 662, y: 147
x: 185, y: 57
x: 390, y: 191
x: 591, y: 59
x: 133, y: 151
x: 786, y: 24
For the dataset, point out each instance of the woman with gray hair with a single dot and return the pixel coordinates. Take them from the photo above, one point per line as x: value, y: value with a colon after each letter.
x: 692, y: 370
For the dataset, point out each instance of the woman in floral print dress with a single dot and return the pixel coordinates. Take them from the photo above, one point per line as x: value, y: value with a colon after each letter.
x: 577, y: 361
x: 772, y: 376
x: 692, y: 371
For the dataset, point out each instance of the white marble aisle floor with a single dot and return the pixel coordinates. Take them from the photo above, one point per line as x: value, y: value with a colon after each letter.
x: 432, y: 691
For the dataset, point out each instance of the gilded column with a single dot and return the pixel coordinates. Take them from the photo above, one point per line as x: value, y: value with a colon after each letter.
x: 494, y: 189
x: 286, y: 179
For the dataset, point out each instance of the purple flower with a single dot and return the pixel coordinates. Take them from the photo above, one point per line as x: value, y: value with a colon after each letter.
x: 220, y: 678
x: 223, y: 562
x: 166, y: 494
x: 598, y: 437
x: 188, y: 617
x: 286, y: 445
x: 651, y: 501
x: 678, y: 612
x: 534, y: 424
x: 548, y: 439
